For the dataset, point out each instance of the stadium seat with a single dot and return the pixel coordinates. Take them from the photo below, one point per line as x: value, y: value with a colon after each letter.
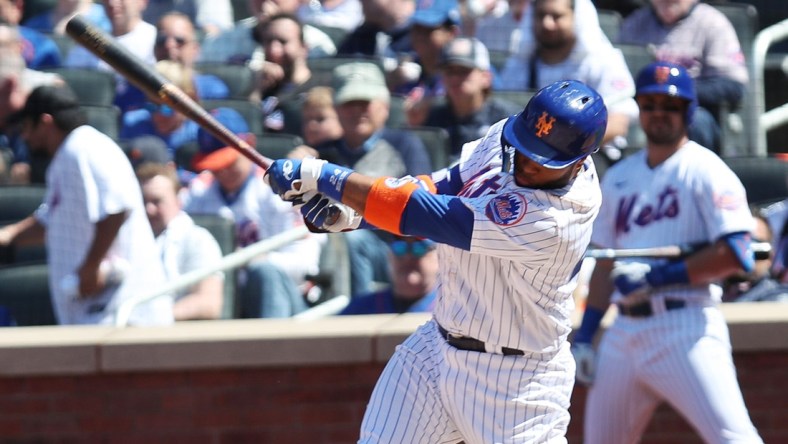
x: 16, y: 203
x: 92, y: 86
x: 64, y: 44
x: 498, y: 59
x: 277, y: 145
x: 334, y: 276
x: 436, y: 142
x: 250, y: 111
x: 26, y: 294
x: 105, y: 118
x: 733, y: 122
x: 636, y: 56
x: 518, y: 97
x: 337, y: 35
x: 610, y: 22
x: 322, y: 68
x: 223, y: 230
x: 764, y: 178
x: 19, y: 201
x: 238, y: 78
x: 396, y: 112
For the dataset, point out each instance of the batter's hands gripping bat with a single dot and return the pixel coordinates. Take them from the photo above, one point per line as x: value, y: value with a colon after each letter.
x: 154, y: 84
x: 761, y: 251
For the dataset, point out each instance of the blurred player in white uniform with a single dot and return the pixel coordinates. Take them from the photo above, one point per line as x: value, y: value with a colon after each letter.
x: 670, y: 341
x: 513, y: 218
x: 100, y: 247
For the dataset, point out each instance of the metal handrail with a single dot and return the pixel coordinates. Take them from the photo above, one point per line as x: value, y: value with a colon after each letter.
x: 232, y: 260
x: 761, y: 120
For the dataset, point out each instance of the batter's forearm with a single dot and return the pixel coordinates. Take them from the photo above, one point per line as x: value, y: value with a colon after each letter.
x: 600, y: 286
x: 356, y: 192
x: 712, y: 263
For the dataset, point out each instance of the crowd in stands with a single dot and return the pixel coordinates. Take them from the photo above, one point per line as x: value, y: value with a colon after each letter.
x: 356, y: 82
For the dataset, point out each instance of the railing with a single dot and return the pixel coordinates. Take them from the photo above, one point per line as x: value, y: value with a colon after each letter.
x: 761, y: 120
x: 231, y: 261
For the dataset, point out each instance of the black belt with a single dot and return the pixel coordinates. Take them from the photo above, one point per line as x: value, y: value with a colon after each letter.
x: 471, y: 344
x: 644, y: 310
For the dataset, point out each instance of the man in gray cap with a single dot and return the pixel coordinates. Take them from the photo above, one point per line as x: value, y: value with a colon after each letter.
x: 362, y: 100
x: 468, y: 111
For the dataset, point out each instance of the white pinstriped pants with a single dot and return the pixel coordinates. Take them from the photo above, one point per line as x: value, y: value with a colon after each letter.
x: 432, y: 393
x: 680, y: 356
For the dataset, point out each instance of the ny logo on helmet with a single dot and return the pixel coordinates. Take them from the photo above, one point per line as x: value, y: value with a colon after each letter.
x: 544, y: 125
x: 662, y: 74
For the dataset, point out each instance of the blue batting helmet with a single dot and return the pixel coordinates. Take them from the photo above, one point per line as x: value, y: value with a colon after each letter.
x: 562, y: 123
x: 668, y: 79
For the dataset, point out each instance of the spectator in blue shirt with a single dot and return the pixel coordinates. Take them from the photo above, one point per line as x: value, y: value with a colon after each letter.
x: 38, y: 50
x: 161, y: 120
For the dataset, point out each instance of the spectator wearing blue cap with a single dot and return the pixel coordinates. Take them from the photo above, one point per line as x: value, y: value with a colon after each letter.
x: 231, y: 186
x: 434, y: 24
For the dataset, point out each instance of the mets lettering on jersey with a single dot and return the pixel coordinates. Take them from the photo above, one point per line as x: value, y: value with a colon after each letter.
x: 666, y: 206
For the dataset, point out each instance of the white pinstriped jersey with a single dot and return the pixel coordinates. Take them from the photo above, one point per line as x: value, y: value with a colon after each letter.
x: 691, y: 197
x: 88, y: 179
x: 525, y: 253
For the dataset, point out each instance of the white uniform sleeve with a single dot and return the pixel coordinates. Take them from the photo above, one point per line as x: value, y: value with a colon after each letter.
x: 722, y: 200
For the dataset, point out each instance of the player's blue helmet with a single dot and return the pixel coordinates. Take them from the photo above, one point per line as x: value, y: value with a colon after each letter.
x: 668, y: 79
x: 562, y: 123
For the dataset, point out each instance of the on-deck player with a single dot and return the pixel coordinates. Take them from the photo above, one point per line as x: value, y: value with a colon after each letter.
x: 670, y: 341
x: 513, y: 218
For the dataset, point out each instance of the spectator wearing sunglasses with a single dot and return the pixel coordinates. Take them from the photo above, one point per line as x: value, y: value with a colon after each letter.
x: 159, y: 119
x: 414, y: 272
x: 176, y: 40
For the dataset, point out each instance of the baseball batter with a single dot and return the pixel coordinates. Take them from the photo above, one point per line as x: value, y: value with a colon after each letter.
x: 670, y: 341
x: 493, y: 365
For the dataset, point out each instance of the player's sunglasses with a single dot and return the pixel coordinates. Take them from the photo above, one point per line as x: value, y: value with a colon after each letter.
x: 161, y: 39
x: 162, y: 109
x: 416, y: 248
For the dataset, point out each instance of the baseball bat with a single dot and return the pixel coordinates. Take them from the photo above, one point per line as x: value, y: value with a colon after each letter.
x: 147, y: 79
x: 761, y: 251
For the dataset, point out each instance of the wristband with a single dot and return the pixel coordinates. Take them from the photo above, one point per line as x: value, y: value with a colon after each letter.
x: 668, y: 274
x: 332, y: 181
x: 592, y: 317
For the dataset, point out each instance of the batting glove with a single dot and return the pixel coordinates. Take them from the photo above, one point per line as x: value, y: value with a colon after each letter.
x: 291, y: 178
x: 585, y: 362
x: 329, y: 215
x: 630, y: 277
x: 635, y: 277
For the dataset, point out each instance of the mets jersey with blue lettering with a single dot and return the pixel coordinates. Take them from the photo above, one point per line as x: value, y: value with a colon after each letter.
x: 509, y: 285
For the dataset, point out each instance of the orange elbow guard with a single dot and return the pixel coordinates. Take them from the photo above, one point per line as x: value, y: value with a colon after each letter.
x: 387, y: 200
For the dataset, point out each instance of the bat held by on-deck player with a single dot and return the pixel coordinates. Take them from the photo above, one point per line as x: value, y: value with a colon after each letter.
x: 761, y: 251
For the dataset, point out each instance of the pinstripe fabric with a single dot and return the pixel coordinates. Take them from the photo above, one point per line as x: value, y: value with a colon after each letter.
x: 682, y: 356
x: 512, y: 289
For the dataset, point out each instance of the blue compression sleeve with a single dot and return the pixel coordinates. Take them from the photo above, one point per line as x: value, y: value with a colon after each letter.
x: 668, y: 274
x: 444, y: 219
x: 592, y: 318
x: 739, y: 243
x: 448, y: 181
